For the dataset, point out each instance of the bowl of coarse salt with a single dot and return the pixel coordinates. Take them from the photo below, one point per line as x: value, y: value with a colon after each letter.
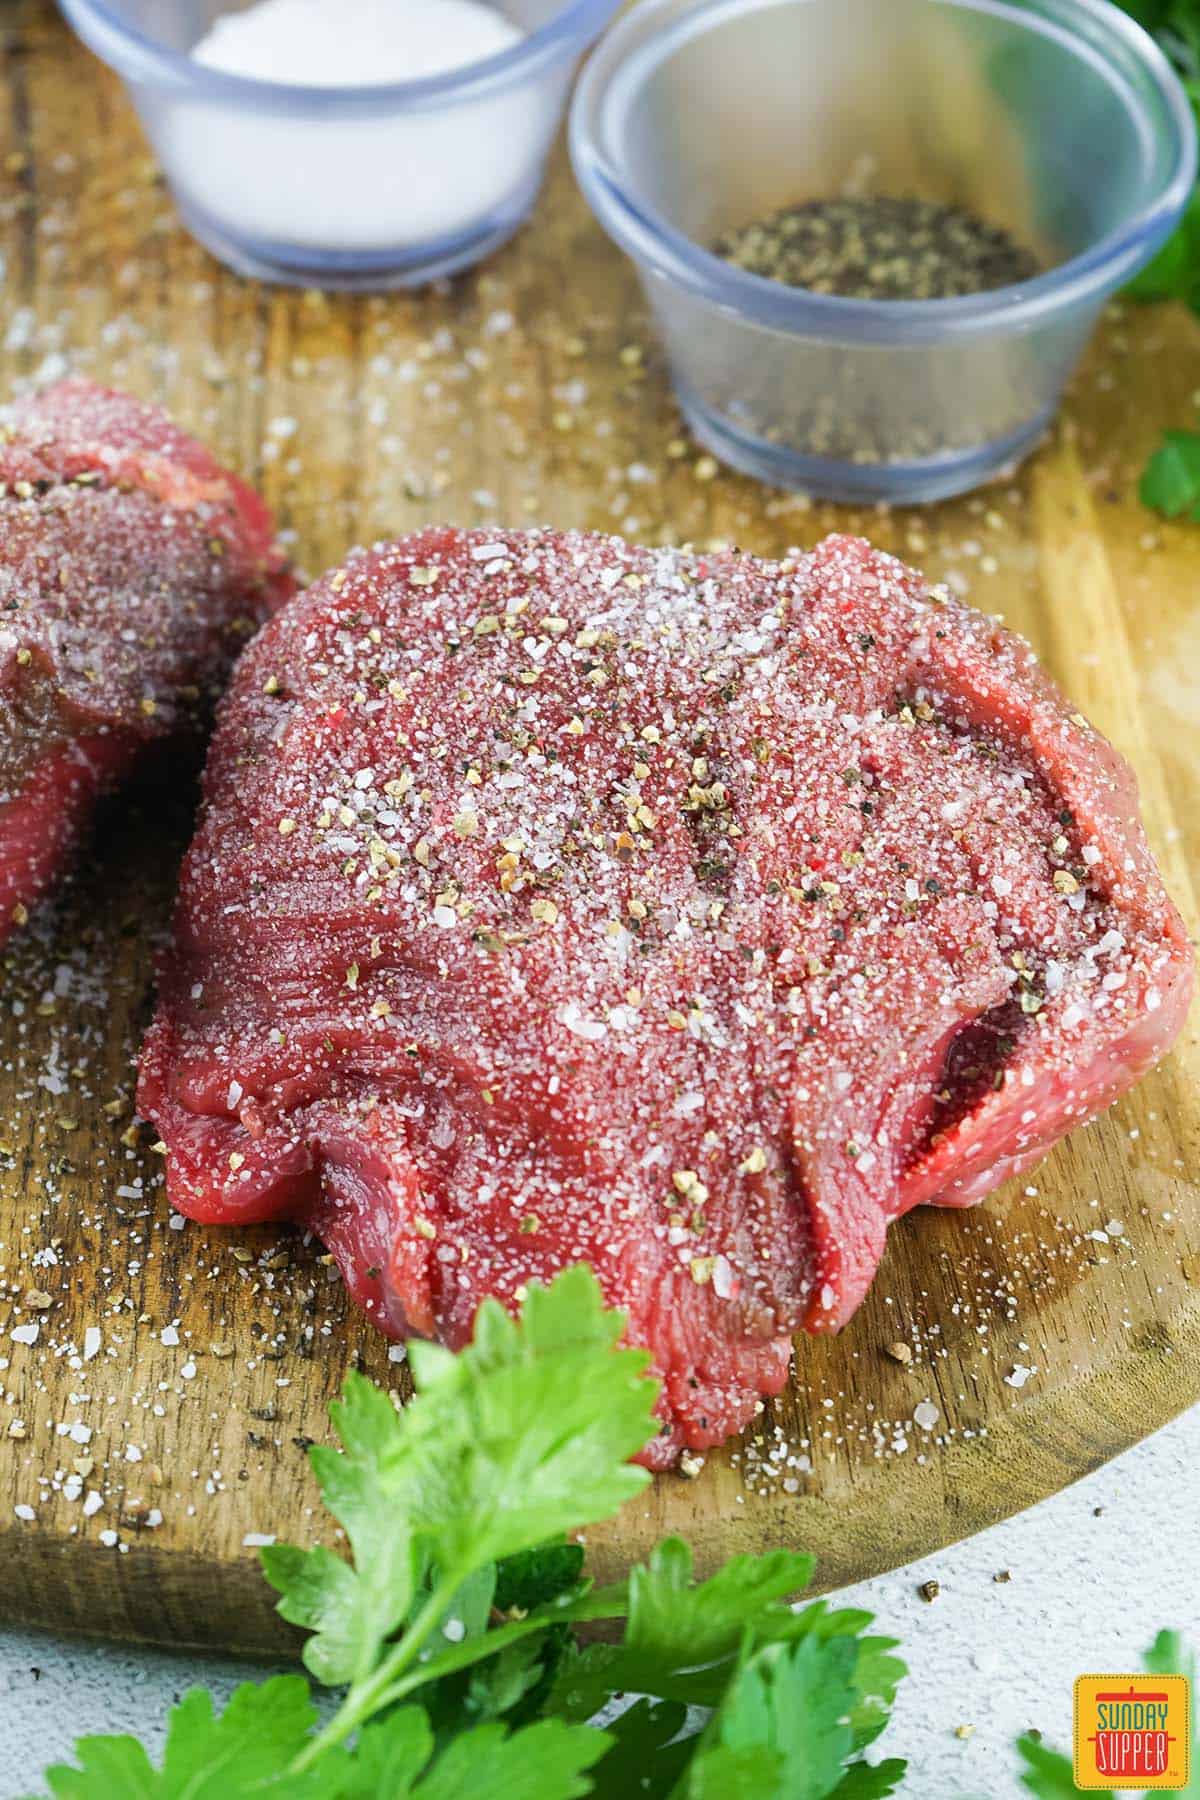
x: 347, y: 143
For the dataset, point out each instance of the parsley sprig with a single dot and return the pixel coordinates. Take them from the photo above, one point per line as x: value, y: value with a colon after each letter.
x: 450, y: 1637
x: 1170, y: 483
x: 1174, y: 273
x: 448, y: 1644
x: 1171, y: 479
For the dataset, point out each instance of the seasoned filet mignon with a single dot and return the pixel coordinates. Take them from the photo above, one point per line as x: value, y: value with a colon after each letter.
x: 132, y: 568
x: 691, y: 915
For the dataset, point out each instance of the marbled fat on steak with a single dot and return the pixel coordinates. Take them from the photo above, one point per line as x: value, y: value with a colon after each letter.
x: 132, y: 569
x: 695, y: 916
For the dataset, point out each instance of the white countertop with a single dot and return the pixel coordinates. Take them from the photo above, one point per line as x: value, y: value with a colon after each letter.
x: 1095, y: 1573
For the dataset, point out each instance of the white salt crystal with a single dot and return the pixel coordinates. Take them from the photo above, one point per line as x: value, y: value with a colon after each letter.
x: 591, y: 1030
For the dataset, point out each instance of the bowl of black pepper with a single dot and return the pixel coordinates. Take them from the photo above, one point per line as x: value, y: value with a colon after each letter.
x: 876, y: 234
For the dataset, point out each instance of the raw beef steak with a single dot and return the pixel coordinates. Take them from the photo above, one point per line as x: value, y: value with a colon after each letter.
x: 132, y: 568
x: 693, y: 915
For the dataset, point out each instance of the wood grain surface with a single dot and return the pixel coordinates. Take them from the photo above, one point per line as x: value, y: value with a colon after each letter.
x: 178, y: 1373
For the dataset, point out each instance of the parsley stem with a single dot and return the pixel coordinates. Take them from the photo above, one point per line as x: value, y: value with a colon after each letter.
x: 366, y: 1697
x: 393, y: 1679
x: 490, y: 1643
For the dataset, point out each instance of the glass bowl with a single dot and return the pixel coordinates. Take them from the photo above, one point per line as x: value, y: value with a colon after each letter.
x: 1058, y: 120
x: 363, y: 187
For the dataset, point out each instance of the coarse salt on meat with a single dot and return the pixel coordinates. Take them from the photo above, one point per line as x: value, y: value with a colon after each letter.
x: 132, y: 569
x: 773, y: 921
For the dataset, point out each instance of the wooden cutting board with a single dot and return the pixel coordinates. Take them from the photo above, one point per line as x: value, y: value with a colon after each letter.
x: 178, y: 1373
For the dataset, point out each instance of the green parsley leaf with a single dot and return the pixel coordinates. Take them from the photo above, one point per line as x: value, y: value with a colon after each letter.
x: 669, y: 1611
x: 110, y: 1768
x: 1149, y: 14
x: 486, y: 1689
x: 241, y: 1752
x: 649, y: 1744
x: 389, y: 1756
x: 348, y: 1616
x: 755, y: 1774
x: 531, y: 1587
x: 871, y: 1781
x: 546, y: 1761
x: 682, y: 1637
x: 1176, y: 24
x: 396, y: 1759
x: 523, y: 1436
x: 877, y: 1673
x: 1170, y: 483
x: 1174, y: 274
x: 464, y: 1587
x: 782, y: 1727
x: 515, y: 1681
x: 1167, y: 1655
x: 1048, y: 1773
x: 468, y: 1608
x: 500, y: 1685
x: 535, y: 1577
x: 527, y: 1433
x: 350, y: 1610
